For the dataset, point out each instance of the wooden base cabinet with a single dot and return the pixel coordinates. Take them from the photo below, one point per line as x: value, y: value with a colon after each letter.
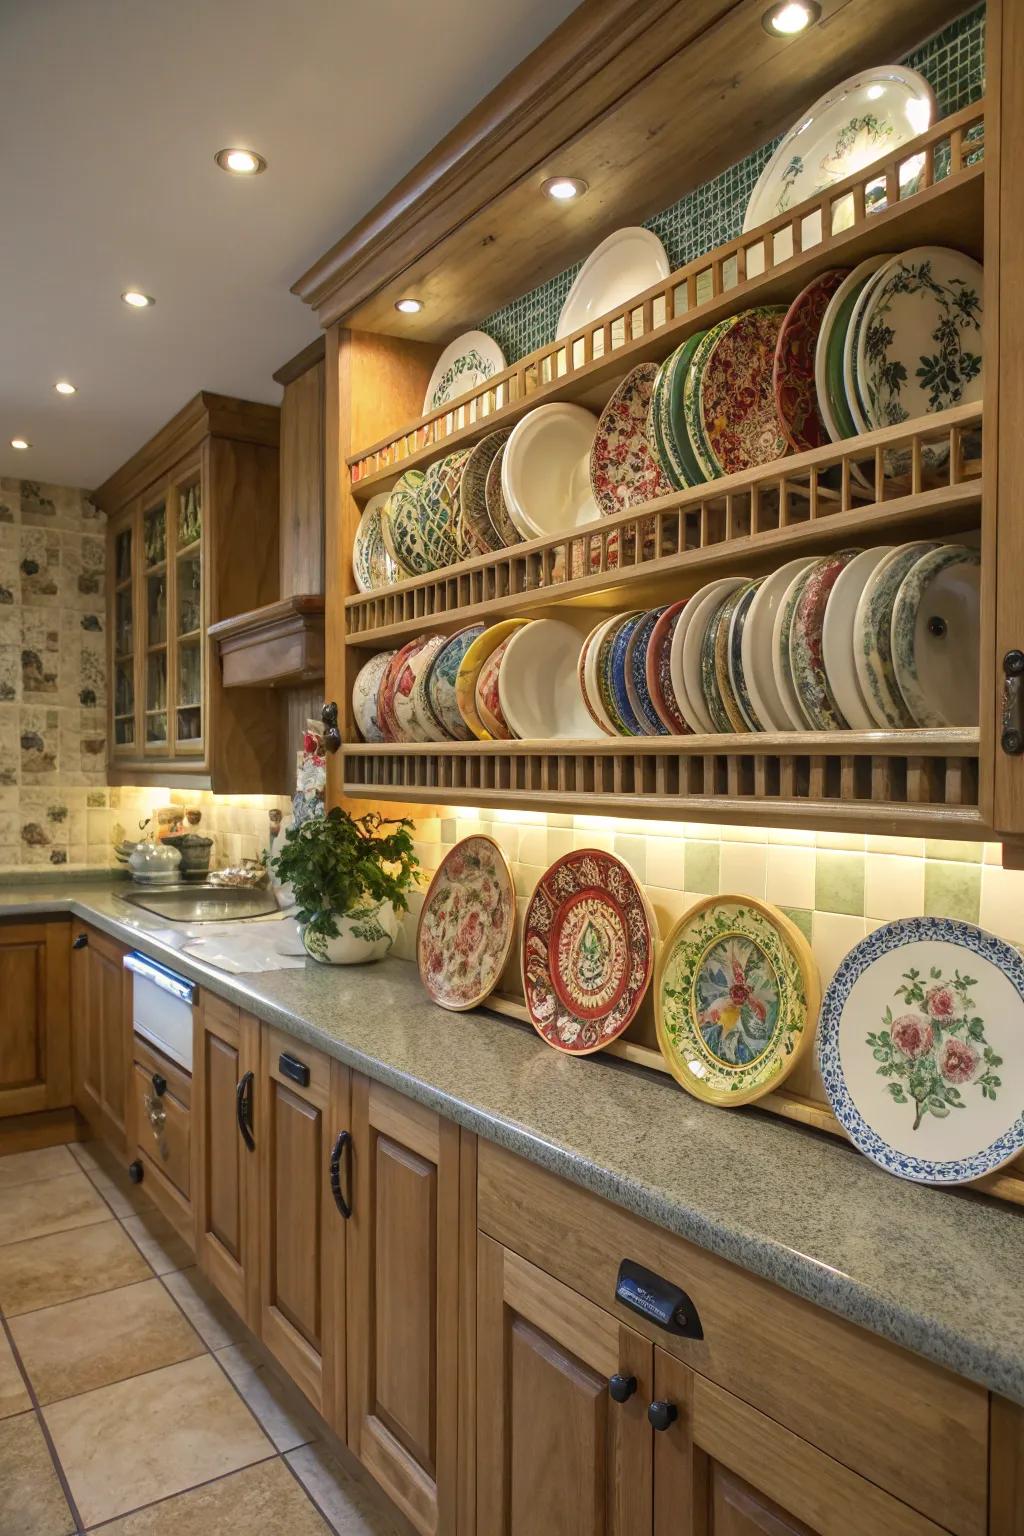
x: 225, y: 1180
x: 34, y: 1063
x: 403, y: 1303
x: 160, y: 1130
x: 302, y: 1107
x: 101, y: 1028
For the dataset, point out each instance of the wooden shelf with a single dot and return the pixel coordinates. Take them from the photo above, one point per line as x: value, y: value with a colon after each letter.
x: 909, y: 783
x: 806, y: 504
x: 583, y: 367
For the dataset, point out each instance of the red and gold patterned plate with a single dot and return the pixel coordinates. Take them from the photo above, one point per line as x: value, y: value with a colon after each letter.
x: 466, y: 924
x: 388, y: 684
x: 588, y: 951
x: 738, y: 416
x: 796, y: 396
x: 623, y: 471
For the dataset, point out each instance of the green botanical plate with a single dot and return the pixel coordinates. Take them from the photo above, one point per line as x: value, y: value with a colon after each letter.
x: 400, y: 524
x: 691, y: 397
x: 677, y: 435
x: 736, y: 999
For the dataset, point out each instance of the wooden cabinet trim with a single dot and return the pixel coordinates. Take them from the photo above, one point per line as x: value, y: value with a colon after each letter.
x: 35, y: 1047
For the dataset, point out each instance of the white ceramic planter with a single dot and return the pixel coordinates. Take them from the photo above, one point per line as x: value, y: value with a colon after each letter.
x: 367, y: 933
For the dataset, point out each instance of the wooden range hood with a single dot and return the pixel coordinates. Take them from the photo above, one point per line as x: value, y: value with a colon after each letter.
x: 643, y: 99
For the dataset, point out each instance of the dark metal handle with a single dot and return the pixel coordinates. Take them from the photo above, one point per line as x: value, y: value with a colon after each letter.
x: 243, y: 1109
x: 661, y: 1414
x: 79, y: 941
x: 332, y: 736
x: 1012, y: 725
x: 343, y: 1144
x: 291, y: 1066
x: 621, y: 1388
x: 159, y: 1085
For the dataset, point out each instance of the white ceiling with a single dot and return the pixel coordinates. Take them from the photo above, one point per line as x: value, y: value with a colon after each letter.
x: 112, y: 111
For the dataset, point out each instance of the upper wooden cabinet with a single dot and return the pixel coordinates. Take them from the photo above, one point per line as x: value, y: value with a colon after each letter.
x: 192, y: 538
x: 34, y: 1065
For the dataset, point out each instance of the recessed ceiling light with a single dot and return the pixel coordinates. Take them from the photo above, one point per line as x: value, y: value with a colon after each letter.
x: 791, y: 17
x: 409, y: 306
x: 136, y: 299
x: 240, y: 162
x: 563, y: 188
x: 64, y: 388
x: 19, y: 442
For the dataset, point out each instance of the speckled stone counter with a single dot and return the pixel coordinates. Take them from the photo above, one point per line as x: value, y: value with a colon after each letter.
x: 938, y: 1271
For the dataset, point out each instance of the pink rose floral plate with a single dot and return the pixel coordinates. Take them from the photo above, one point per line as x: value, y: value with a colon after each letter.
x: 588, y: 951
x: 466, y: 924
x: 921, y: 1049
x: 623, y: 470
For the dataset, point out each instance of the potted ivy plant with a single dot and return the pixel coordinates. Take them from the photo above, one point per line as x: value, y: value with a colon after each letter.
x: 349, y: 876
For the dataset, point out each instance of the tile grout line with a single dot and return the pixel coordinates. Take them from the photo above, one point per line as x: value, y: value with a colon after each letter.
x: 44, y: 1428
x: 137, y: 1509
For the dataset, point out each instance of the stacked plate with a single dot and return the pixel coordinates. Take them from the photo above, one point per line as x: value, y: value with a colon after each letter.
x: 517, y: 679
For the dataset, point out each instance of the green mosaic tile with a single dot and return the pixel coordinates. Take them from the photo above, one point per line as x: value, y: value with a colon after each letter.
x: 962, y: 853
x: 801, y: 916
x: 953, y: 62
x: 952, y: 890
x: 839, y: 882
x: 701, y: 864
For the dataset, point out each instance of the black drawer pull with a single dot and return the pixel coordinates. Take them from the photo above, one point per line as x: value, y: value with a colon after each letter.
x: 243, y: 1109
x: 342, y: 1145
x: 658, y: 1300
x: 291, y: 1066
x: 159, y: 1085
x: 661, y: 1414
x: 80, y: 941
x: 621, y: 1388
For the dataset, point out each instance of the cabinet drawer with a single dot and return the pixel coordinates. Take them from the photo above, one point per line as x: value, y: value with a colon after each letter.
x: 162, y: 1130
x: 289, y: 1060
x: 858, y: 1398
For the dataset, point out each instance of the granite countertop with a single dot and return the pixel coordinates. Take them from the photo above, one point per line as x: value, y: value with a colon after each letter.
x: 938, y: 1271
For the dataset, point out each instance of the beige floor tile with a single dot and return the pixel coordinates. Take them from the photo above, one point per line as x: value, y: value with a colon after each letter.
x: 32, y: 1502
x: 279, y: 1407
x: 111, y: 1178
x: 26, y: 1167
x: 14, y: 1396
x: 48, y: 1270
x: 265, y: 1498
x: 89, y: 1343
x: 129, y: 1444
x: 159, y: 1241
x: 352, y: 1509
x: 49, y: 1205
x: 205, y: 1308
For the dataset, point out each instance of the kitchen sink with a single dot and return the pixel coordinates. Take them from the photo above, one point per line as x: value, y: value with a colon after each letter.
x: 202, y: 903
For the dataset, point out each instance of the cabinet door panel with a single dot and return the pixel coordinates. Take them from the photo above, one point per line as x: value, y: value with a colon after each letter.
x: 554, y: 1451
x: 101, y: 1031
x: 224, y: 1173
x: 737, y: 1509
x: 298, y: 1178
x: 403, y: 1299
x: 35, y: 1069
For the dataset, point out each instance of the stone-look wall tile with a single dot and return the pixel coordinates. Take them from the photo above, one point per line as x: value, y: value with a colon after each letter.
x: 743, y: 869
x: 839, y: 882
x: 789, y: 876
x: 893, y: 887
x: 702, y: 868
x: 964, y: 853
x: 952, y: 890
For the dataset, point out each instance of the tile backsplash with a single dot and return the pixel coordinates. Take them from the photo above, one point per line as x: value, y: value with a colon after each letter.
x: 835, y: 886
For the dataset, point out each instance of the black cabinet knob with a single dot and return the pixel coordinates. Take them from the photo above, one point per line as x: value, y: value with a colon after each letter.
x: 660, y: 1415
x: 135, y: 1171
x: 621, y: 1388
x: 159, y: 1085
x: 79, y: 941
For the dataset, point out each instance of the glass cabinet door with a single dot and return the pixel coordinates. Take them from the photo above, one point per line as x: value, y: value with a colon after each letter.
x: 188, y: 617
x: 155, y: 588
x: 124, y: 639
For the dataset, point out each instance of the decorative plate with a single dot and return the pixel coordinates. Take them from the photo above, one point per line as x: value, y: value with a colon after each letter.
x: 756, y: 646
x: 652, y: 430
x: 588, y: 675
x: 686, y: 661
x: 588, y: 951
x: 659, y: 671
x: 796, y: 398
x: 365, y: 690
x: 710, y: 676
x: 781, y: 632
x: 636, y: 675
x: 469, y: 670
x: 469, y: 360
x: 372, y: 565
x: 724, y: 632
x: 413, y: 722
x: 837, y: 637
x: 872, y: 636
x: 858, y: 122
x: 920, y: 346
x: 438, y: 511
x: 405, y: 524
x: 672, y: 412
x: 738, y: 415
x: 735, y: 999
x: 806, y: 662
x: 852, y: 388
x: 610, y: 680
x: 628, y: 262
x: 828, y: 353
x: 476, y: 533
x: 538, y: 684
x: 736, y: 678
x: 441, y: 682
x: 623, y: 471
x: 545, y: 470
x: 506, y: 530
x: 467, y: 922
x: 386, y: 713
x: 693, y: 428
x: 919, y: 1047
x: 936, y: 634
x: 422, y: 665
x: 487, y: 697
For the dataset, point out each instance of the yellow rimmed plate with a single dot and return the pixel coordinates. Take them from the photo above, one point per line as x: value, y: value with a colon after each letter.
x: 469, y: 671
x: 736, y: 999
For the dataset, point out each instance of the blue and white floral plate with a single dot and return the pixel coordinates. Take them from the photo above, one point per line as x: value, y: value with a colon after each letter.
x: 921, y: 1049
